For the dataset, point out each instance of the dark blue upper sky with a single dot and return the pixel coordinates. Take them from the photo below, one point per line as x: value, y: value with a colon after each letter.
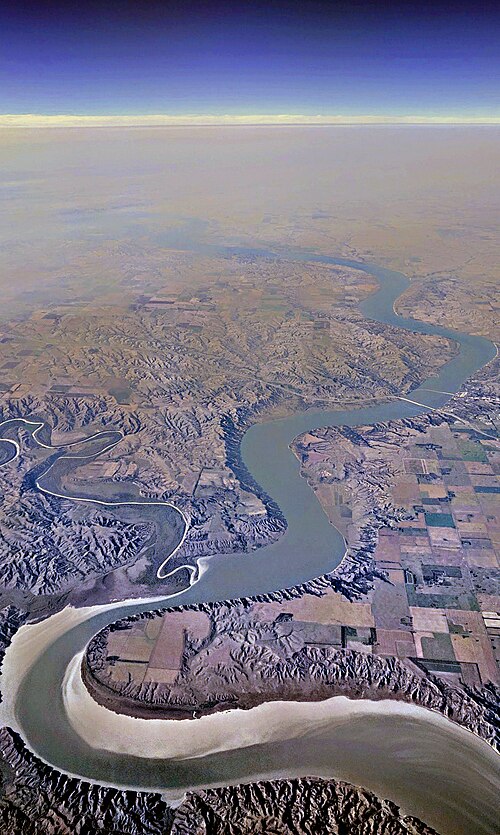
x: 250, y: 57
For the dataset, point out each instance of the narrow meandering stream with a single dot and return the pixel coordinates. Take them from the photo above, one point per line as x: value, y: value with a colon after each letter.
x: 430, y: 767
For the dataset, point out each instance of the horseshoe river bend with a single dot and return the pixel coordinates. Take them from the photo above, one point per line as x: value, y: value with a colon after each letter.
x: 429, y: 766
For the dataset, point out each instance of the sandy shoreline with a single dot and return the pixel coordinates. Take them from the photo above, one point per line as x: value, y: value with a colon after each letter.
x: 32, y: 639
x: 222, y: 731
x: 393, y: 748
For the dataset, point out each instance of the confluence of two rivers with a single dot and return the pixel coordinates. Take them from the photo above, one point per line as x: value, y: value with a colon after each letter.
x: 398, y: 756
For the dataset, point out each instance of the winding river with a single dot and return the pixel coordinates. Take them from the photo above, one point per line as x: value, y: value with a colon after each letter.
x: 429, y: 766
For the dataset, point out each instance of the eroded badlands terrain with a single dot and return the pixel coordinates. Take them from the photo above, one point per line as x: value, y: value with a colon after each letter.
x: 178, y: 376
x: 123, y: 313
x: 417, y: 501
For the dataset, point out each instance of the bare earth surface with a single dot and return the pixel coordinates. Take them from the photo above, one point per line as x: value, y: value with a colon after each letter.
x: 135, y: 305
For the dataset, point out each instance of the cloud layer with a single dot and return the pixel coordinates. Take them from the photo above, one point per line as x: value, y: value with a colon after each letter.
x: 34, y: 120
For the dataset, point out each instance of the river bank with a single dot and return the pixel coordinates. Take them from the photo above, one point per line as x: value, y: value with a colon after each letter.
x: 264, y: 449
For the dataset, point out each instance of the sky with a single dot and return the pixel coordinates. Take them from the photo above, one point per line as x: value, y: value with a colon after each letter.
x: 242, y: 58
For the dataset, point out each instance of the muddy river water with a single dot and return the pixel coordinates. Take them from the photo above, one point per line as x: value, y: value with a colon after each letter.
x: 432, y: 768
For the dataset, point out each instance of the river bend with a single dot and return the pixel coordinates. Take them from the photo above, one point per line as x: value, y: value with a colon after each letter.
x: 396, y: 754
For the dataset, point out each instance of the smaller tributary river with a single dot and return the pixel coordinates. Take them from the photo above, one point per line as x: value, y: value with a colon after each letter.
x: 432, y: 768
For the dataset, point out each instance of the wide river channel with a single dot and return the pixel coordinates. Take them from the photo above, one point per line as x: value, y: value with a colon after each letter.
x: 426, y: 764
